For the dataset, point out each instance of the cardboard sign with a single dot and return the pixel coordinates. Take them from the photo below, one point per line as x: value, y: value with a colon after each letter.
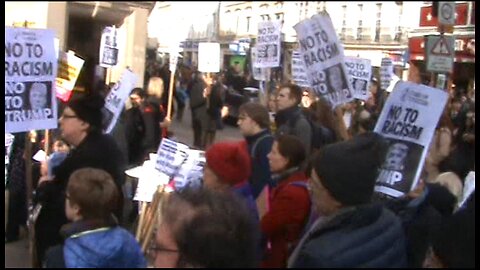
x: 190, y: 173
x: 386, y: 73
x: 360, y: 71
x: 148, y: 180
x: 170, y: 156
x: 209, y: 57
x: 323, y: 56
x: 69, y: 67
x: 408, y: 121
x: 440, y: 53
x: 115, y: 100
x: 259, y: 74
x: 30, y: 72
x: 109, y: 47
x: 299, y: 75
x: 268, y: 44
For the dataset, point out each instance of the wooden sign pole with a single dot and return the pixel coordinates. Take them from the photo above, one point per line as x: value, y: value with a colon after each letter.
x: 170, y: 95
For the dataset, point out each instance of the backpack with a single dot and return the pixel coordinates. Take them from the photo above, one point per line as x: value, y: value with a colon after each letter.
x: 321, y: 135
x: 310, y: 218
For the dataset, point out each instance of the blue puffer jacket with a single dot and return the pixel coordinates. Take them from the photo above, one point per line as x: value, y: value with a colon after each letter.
x: 108, y: 248
x: 368, y: 236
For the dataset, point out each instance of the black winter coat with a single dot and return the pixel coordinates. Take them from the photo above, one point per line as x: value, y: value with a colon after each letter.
x: 97, y: 151
x: 368, y: 236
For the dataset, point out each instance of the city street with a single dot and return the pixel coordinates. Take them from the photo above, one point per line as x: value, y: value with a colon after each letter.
x: 17, y: 255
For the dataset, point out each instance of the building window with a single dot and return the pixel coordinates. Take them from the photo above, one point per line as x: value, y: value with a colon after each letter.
x: 360, y: 22
x: 248, y: 24
x: 378, y: 23
x: 237, y: 15
x: 344, y: 22
x: 279, y: 16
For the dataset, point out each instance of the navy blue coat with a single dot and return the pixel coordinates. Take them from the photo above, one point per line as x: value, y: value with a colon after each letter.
x: 259, y: 145
x: 367, y: 236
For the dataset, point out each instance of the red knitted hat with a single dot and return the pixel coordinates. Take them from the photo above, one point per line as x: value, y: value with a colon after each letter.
x: 229, y: 161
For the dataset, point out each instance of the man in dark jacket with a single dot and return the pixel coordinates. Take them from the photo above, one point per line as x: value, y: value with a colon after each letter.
x: 198, y: 106
x: 289, y: 118
x: 80, y: 125
x: 350, y: 231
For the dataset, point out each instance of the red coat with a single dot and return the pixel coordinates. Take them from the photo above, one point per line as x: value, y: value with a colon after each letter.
x: 282, y: 225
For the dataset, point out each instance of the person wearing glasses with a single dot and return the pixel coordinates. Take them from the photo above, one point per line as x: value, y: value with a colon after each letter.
x: 201, y: 227
x: 94, y: 238
x: 81, y: 128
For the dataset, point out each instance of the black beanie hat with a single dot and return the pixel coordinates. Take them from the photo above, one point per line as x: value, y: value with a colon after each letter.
x: 349, y: 169
x: 88, y: 108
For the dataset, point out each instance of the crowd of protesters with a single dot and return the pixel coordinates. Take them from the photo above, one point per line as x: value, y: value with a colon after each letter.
x: 277, y: 198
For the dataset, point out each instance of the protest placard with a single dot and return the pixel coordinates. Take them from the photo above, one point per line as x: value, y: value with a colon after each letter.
x: 115, y: 100
x: 268, y: 44
x: 109, y: 47
x: 360, y: 71
x: 149, y: 179
x: 209, y: 57
x: 386, y: 73
x: 190, y: 173
x: 299, y: 75
x: 323, y: 57
x: 407, y: 121
x: 170, y: 156
x: 8, y: 146
x: 69, y: 67
x: 259, y: 74
x: 30, y: 71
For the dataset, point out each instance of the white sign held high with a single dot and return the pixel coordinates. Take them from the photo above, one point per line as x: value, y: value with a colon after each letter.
x: 30, y: 72
x: 360, y: 71
x: 322, y: 53
x: 209, y: 57
x: 408, y: 121
x: 115, y: 101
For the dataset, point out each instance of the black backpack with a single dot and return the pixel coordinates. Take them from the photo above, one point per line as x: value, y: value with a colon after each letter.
x: 321, y: 135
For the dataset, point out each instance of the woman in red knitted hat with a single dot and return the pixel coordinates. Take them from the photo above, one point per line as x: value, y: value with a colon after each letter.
x: 228, y: 168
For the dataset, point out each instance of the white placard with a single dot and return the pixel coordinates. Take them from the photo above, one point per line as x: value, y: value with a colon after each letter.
x: 360, y: 71
x: 148, y: 180
x: 190, y: 173
x: 30, y: 72
x: 115, y: 101
x: 40, y: 156
x: 408, y: 121
x: 259, y: 74
x: 109, y: 47
x: 386, y: 73
x: 8, y: 146
x: 299, y: 75
x: 268, y: 44
x: 323, y: 57
x: 468, y: 188
x: 170, y: 156
x: 209, y: 57
x: 69, y: 67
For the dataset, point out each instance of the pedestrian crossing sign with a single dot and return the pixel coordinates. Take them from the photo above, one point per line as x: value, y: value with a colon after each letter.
x: 439, y: 53
x: 441, y: 48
